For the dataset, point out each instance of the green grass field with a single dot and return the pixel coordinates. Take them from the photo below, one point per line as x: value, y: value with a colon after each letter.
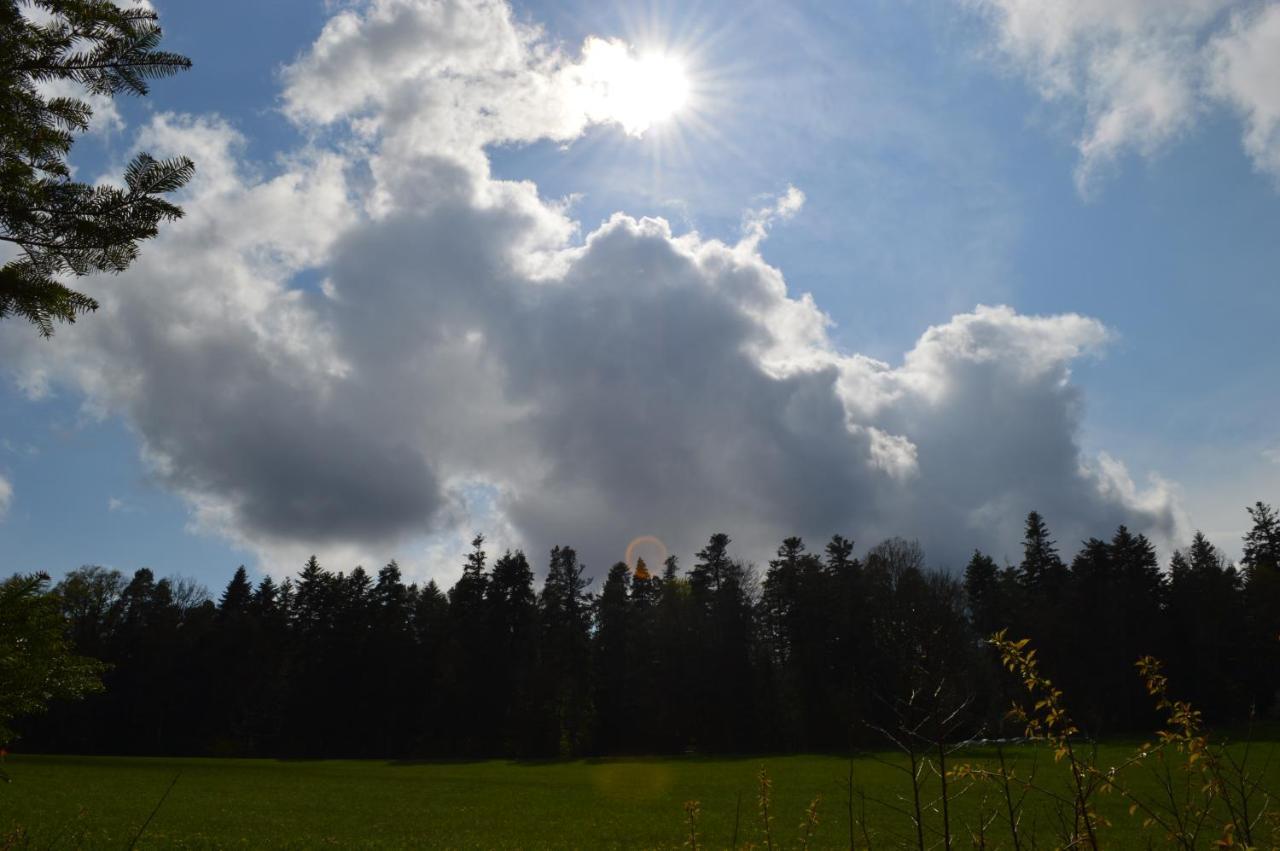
x: 101, y: 802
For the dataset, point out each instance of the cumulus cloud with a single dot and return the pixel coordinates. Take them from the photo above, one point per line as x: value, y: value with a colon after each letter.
x: 376, y: 347
x: 1143, y: 71
x: 1245, y: 67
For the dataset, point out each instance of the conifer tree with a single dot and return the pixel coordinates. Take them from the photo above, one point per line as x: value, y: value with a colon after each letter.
x: 565, y: 615
x: 237, y: 596
x: 1261, y: 561
x: 60, y: 226
x: 311, y: 604
x: 642, y: 660
x: 511, y: 654
x: 612, y: 702
x: 1204, y: 613
x: 848, y: 638
x: 467, y: 652
x: 1040, y: 561
x: 982, y: 588
x: 674, y: 658
x: 466, y: 598
x: 723, y: 688
x: 433, y: 686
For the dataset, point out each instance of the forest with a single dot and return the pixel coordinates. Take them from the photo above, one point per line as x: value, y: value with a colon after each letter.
x: 818, y: 652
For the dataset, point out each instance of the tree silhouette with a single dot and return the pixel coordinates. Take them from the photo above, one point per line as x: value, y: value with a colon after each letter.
x: 821, y: 654
x: 1261, y: 561
x: 45, y: 666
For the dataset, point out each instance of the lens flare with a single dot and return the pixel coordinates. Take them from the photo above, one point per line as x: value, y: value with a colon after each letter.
x: 643, y: 547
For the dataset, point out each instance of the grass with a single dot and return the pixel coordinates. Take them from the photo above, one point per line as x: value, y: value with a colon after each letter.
x: 101, y: 802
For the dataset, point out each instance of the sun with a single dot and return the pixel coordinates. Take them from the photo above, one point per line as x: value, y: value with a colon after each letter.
x: 660, y: 87
x: 635, y: 91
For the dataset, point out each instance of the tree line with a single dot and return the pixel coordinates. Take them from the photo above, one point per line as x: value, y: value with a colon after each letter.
x: 819, y: 651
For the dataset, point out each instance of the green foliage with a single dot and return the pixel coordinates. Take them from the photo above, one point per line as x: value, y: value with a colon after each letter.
x: 37, y: 663
x: 1196, y: 793
x: 63, y: 227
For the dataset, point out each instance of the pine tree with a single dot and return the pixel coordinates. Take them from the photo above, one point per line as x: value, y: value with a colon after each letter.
x: 390, y: 596
x: 391, y: 706
x: 467, y: 655
x: 433, y: 687
x: 780, y: 598
x: 642, y: 661
x: 723, y: 686
x: 565, y: 616
x: 312, y: 600
x: 314, y: 605
x: 61, y: 226
x: 466, y: 598
x: 674, y: 659
x: 1261, y: 560
x: 613, y: 704
x: 1040, y: 561
x: 237, y: 596
x: 266, y: 598
x: 848, y: 640
x: 798, y: 611
x: 712, y: 569
x: 1204, y: 613
x: 982, y: 588
x: 511, y: 655
x: 1262, y: 542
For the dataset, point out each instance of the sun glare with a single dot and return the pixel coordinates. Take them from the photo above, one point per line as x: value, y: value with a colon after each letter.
x: 634, y: 91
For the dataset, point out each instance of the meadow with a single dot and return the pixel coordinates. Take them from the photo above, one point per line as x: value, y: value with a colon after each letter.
x: 102, y: 802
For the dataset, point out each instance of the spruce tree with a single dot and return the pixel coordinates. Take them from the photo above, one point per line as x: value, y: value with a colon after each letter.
x: 612, y: 702
x: 511, y: 613
x: 1261, y: 561
x: 1040, y: 561
x: 565, y: 620
x: 848, y: 636
x: 1204, y: 613
x: 982, y: 589
x: 467, y: 653
x: 237, y: 596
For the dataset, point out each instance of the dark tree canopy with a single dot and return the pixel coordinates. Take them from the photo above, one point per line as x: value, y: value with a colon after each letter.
x: 814, y: 653
x: 38, y: 662
x: 59, y: 226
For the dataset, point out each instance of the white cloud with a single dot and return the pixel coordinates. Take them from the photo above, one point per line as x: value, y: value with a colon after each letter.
x: 1143, y: 71
x: 6, y: 496
x: 470, y: 361
x: 756, y: 223
x: 116, y: 505
x: 106, y: 116
x: 1245, y: 62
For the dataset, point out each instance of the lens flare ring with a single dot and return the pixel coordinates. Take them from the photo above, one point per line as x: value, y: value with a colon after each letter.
x: 645, y: 542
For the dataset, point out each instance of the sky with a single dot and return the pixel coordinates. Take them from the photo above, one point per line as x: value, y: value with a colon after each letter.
x: 582, y: 272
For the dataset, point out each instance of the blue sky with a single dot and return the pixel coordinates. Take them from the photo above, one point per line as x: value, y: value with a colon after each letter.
x: 940, y: 158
